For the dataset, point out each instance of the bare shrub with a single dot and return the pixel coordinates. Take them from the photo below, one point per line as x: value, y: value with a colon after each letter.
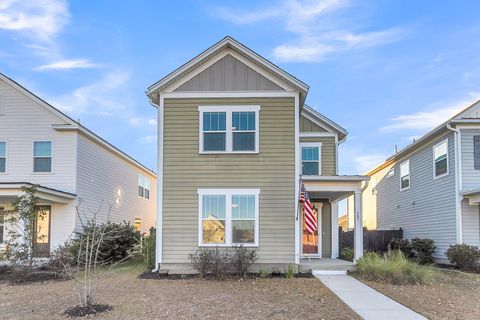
x: 242, y: 259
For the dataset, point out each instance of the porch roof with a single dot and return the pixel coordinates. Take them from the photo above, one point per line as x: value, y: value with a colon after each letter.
x: 333, y: 187
x: 10, y: 190
x: 473, y: 196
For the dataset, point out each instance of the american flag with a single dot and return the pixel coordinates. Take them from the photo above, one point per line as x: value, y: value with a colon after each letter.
x: 308, y: 214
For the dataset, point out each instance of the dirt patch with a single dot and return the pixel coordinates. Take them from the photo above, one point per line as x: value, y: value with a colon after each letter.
x: 134, y: 298
x: 455, y: 295
x: 91, y: 310
x: 22, y: 277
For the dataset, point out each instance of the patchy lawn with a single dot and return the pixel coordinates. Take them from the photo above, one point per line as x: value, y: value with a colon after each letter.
x: 455, y: 295
x: 134, y: 298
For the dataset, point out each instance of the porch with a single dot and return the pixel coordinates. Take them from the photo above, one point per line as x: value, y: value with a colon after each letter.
x: 325, y: 265
x: 325, y: 192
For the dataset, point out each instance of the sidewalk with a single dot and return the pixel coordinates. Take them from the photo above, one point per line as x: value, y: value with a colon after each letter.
x: 367, y: 302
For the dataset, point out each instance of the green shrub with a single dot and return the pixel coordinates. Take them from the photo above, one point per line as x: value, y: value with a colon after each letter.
x: 119, y: 242
x: 393, y: 267
x: 290, y: 272
x: 263, y: 273
x: 148, y: 249
x: 463, y: 256
x: 423, y: 250
x: 403, y: 245
x: 347, y: 254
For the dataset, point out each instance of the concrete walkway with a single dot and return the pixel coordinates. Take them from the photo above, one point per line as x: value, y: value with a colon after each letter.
x: 367, y: 302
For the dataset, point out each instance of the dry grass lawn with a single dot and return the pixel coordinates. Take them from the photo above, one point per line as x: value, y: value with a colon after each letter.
x: 134, y: 298
x: 455, y: 295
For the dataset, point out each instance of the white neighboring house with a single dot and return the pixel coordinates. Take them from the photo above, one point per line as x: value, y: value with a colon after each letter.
x: 40, y: 145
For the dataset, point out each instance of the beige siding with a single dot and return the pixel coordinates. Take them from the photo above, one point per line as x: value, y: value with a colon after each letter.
x: 328, y: 153
x: 272, y: 171
x: 309, y: 126
x: 101, y: 174
x: 228, y: 74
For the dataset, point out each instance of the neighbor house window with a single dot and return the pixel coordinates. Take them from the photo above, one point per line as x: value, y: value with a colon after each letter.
x: 3, y: 157
x: 440, y: 159
x: 229, y: 129
x: 405, y: 175
x: 311, y: 153
x: 2, y: 223
x: 476, y: 152
x: 137, y: 224
x: 391, y: 173
x: 42, y: 156
x: 143, y: 187
x: 228, y: 217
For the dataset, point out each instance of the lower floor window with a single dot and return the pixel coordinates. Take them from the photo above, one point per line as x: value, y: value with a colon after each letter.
x: 228, y: 217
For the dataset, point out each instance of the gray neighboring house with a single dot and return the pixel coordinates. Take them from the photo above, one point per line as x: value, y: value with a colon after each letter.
x: 431, y: 188
x: 235, y: 140
x: 40, y: 145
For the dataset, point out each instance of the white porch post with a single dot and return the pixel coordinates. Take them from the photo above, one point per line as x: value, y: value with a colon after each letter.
x: 334, y: 230
x: 358, y: 227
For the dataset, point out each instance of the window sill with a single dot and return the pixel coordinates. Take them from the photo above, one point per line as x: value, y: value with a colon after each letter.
x: 440, y: 176
x: 42, y: 173
x: 228, y: 152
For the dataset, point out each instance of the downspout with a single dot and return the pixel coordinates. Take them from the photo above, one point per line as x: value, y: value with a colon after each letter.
x: 158, y: 233
x: 458, y: 181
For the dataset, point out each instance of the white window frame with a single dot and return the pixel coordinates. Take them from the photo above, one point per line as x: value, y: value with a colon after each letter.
x: 229, y: 109
x: 409, y: 175
x: 6, y: 156
x: 51, y: 157
x: 434, y: 162
x: 144, y: 179
x: 311, y: 144
x: 228, y: 193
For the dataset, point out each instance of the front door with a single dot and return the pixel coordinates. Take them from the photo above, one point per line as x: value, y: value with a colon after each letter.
x: 41, y: 239
x: 311, y: 242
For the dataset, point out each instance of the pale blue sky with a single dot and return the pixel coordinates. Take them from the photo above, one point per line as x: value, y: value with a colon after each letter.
x: 388, y: 71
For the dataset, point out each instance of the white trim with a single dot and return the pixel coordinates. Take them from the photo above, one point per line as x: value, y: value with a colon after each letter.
x: 312, y: 144
x: 228, y: 193
x: 159, y: 230
x: 229, y: 109
x: 319, y: 233
x: 229, y: 94
x: 334, y: 208
x: 409, y: 175
x: 217, y: 58
x: 434, y: 162
x: 298, y: 168
x: 458, y: 184
x: 318, y: 134
x: 52, y: 152
x: 6, y: 157
x: 358, y: 227
x: 232, y: 42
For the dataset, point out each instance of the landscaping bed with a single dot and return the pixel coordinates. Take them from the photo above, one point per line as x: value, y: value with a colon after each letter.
x: 452, y: 295
x: 132, y: 297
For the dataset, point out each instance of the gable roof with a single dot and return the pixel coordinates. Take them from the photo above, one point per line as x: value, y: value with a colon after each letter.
x: 469, y: 115
x: 324, y: 122
x: 71, y: 124
x: 205, y: 58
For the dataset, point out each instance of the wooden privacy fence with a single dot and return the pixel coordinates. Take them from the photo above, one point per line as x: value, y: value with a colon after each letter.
x: 373, y: 240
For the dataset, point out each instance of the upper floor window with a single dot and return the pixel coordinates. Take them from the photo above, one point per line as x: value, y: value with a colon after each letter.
x: 440, y: 159
x: 476, y: 152
x: 3, y: 157
x: 311, y: 153
x: 405, y: 175
x: 42, y: 156
x: 228, y: 217
x: 143, y: 187
x: 229, y: 129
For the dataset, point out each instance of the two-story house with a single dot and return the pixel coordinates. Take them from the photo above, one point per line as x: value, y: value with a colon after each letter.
x: 431, y: 188
x: 235, y: 143
x: 72, y: 166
